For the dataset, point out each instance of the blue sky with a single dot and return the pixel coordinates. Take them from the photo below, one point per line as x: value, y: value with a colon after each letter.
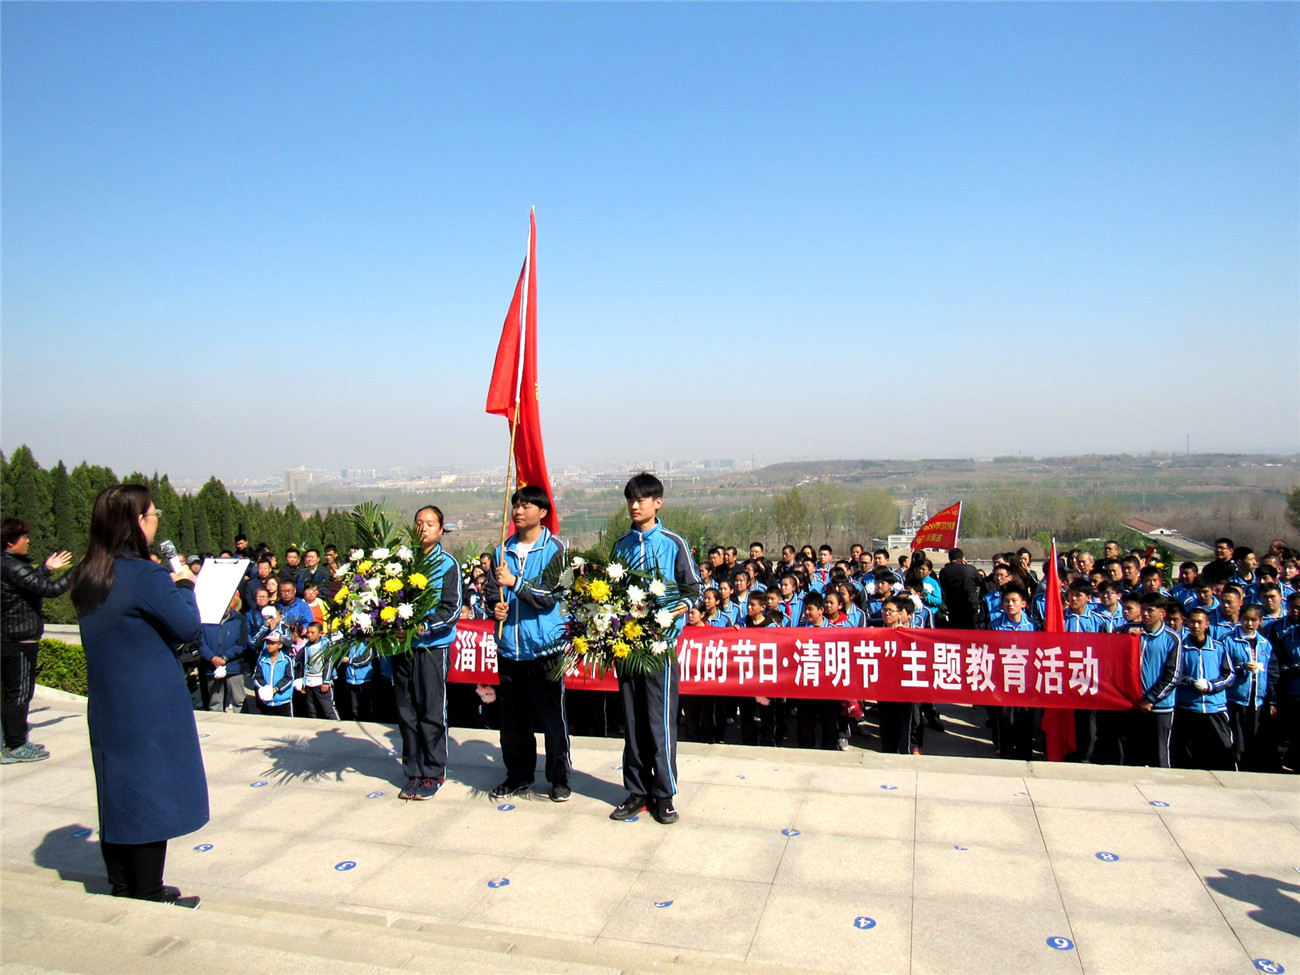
x: 243, y: 237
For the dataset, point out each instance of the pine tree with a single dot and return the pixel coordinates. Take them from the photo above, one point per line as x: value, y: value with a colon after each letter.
x: 62, y: 511
x: 27, y: 496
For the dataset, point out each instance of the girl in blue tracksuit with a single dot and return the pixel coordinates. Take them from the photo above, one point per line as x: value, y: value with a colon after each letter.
x: 273, y: 678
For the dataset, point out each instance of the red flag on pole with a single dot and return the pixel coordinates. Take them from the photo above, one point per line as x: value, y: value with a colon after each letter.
x: 1058, y: 723
x: 513, y: 390
x: 941, y: 531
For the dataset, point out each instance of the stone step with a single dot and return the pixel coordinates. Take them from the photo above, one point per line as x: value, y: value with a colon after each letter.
x: 52, y: 925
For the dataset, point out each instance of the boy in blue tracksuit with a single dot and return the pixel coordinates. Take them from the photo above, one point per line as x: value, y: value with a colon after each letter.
x: 1202, y: 737
x: 521, y: 594
x: 1161, y: 663
x: 650, y: 700
x: 314, y: 673
x: 1249, y: 698
x: 273, y: 678
x: 1285, y: 638
x: 420, y: 677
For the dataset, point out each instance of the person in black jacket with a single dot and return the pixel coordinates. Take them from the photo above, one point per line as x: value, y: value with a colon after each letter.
x: 21, y: 626
x: 959, y: 583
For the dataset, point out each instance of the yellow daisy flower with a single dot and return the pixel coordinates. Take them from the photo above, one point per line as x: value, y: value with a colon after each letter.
x: 599, y: 590
x: 388, y: 614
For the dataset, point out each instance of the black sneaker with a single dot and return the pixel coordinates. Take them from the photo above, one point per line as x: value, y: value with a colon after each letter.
x: 428, y: 788
x: 412, y: 787
x: 632, y: 805
x: 172, y: 895
x: 511, y: 787
x: 560, y: 792
x: 663, y: 811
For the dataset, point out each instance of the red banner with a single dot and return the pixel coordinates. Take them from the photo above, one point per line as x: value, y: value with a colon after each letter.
x: 940, y: 531
x: 974, y: 667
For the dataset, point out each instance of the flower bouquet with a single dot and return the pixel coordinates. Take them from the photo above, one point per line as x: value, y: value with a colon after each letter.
x: 617, y: 617
x: 387, y: 588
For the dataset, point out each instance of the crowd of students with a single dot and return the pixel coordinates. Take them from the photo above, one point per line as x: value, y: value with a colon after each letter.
x: 1220, y: 648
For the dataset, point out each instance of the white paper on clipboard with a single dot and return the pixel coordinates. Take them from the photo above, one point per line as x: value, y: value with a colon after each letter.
x: 215, y: 585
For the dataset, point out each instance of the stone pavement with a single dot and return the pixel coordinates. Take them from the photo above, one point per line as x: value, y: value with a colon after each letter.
x: 783, y: 861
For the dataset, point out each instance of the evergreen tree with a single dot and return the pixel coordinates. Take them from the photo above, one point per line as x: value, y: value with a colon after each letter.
x: 185, y: 526
x: 27, y: 496
x: 65, y: 538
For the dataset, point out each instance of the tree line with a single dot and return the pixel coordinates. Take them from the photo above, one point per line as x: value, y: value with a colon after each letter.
x: 56, y: 503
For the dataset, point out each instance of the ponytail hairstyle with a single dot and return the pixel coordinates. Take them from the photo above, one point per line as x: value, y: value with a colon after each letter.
x: 114, y: 531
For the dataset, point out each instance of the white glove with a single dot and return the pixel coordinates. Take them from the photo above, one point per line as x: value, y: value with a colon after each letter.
x: 1201, y: 684
x: 219, y: 673
x: 297, y: 684
x: 265, y: 693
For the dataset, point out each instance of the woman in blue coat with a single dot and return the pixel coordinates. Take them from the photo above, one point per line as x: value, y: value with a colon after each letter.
x: 144, y: 744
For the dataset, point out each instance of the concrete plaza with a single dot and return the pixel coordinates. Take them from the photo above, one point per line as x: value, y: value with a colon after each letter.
x: 783, y: 861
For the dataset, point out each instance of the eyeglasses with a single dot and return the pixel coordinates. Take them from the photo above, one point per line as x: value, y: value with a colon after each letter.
x: 157, y: 513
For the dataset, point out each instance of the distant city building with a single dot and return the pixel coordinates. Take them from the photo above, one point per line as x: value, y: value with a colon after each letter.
x: 295, y: 482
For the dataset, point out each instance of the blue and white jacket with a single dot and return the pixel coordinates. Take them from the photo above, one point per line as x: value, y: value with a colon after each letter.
x: 358, y: 667
x: 534, y: 627
x: 1212, y: 663
x: 1162, y: 660
x: 438, y: 628
x: 1285, y: 638
x: 278, y: 673
x: 1251, y: 688
x: 663, y: 555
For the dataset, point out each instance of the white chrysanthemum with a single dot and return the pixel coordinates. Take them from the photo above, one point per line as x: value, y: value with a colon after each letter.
x: 393, y: 568
x: 636, y: 594
x: 404, y: 554
x: 658, y: 647
x: 363, y: 622
x: 373, y: 582
x: 658, y: 589
x: 579, y: 561
x: 379, y: 554
x: 566, y: 578
x: 405, y: 610
x: 342, y: 570
x: 616, y: 571
x: 664, y: 618
x: 600, y: 622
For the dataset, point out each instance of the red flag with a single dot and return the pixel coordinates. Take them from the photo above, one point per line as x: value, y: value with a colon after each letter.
x: 513, y: 390
x: 1058, y: 723
x: 941, y: 531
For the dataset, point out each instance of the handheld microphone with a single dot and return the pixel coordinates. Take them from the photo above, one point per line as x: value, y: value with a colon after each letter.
x: 169, y: 553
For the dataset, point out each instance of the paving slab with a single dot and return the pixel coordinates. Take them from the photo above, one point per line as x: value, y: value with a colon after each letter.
x: 784, y: 860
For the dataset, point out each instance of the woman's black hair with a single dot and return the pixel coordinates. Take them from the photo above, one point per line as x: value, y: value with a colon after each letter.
x: 114, y: 531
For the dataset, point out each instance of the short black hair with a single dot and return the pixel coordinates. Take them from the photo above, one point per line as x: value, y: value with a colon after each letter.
x: 643, y: 485
x: 814, y: 599
x: 13, y: 529
x: 532, y: 494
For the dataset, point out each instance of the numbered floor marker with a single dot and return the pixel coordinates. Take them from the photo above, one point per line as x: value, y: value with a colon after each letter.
x: 203, y: 848
x: 962, y: 848
x: 1160, y: 803
x: 889, y: 788
x: 864, y: 923
x: 258, y: 784
x: 505, y: 807
x: 205, y: 735
x: 345, y: 865
x: 1272, y: 967
x: 373, y: 795
x: 1060, y: 944
x: 81, y: 834
x: 662, y: 904
x: 790, y: 832
x: 503, y: 882
x: 1108, y: 857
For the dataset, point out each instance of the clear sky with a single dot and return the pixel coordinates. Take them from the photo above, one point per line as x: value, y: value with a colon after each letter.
x: 242, y: 237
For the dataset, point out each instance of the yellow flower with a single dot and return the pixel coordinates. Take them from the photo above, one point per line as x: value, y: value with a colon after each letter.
x: 342, y: 594
x: 632, y: 629
x: 600, y: 590
x: 388, y: 614
x: 335, y: 624
x: 621, y: 649
x: 392, y: 585
x: 418, y: 580
x: 580, y: 645
x: 365, y: 566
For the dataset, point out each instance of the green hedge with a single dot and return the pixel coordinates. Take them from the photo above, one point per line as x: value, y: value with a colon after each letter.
x: 61, y: 666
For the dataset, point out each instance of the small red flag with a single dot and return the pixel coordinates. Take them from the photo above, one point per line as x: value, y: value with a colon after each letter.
x: 941, y: 531
x: 513, y: 391
x: 1058, y: 723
